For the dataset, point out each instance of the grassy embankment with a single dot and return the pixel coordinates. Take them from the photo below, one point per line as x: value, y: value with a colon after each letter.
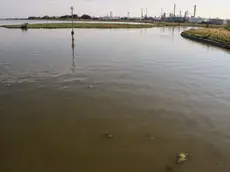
x: 212, y: 36
x: 79, y: 25
x: 109, y: 25
x: 219, y: 35
x: 165, y: 24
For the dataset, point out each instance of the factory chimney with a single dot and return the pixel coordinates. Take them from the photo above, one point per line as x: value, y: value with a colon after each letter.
x: 174, y: 13
x: 186, y: 14
x: 194, y: 15
x: 111, y: 14
x: 141, y: 12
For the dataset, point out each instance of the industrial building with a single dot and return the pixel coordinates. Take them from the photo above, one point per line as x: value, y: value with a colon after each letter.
x: 173, y: 16
x: 197, y: 20
x: 227, y: 22
x: 174, y: 19
x: 216, y: 21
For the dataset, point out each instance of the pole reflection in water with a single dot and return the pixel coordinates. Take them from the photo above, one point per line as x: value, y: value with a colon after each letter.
x: 73, y: 55
x: 173, y: 31
x: 179, y: 29
x: 162, y: 29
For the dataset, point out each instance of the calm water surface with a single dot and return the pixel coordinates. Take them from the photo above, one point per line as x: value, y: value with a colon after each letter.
x: 157, y: 93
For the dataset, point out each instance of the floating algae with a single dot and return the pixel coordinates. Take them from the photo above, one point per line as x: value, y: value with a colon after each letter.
x: 182, y: 157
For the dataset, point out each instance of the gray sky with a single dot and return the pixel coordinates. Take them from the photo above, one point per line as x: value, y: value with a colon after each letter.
x: 25, y: 8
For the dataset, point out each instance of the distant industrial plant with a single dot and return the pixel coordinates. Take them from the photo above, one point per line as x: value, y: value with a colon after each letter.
x: 169, y: 17
x: 174, y: 16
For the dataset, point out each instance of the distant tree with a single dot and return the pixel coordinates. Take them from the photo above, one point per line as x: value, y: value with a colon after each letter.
x: 124, y: 18
x: 75, y: 16
x: 65, y: 17
x: 85, y: 17
x: 46, y: 17
x: 32, y: 18
x: 148, y: 18
x: 95, y: 18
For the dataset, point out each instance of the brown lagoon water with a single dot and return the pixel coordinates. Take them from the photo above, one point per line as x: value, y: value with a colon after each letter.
x: 157, y: 93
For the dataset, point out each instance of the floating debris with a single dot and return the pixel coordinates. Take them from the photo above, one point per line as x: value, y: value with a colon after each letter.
x: 65, y: 87
x: 181, y: 157
x: 151, y: 137
x: 218, y: 165
x: 90, y: 86
x: 108, y: 135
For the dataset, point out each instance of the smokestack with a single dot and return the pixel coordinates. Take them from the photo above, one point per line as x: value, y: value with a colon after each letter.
x: 111, y: 14
x: 141, y: 12
x: 174, y: 13
x: 194, y: 11
x: 180, y: 13
x: 186, y: 14
x: 146, y: 12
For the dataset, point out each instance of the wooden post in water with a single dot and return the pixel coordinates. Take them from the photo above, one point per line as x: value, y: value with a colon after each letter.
x: 71, y: 8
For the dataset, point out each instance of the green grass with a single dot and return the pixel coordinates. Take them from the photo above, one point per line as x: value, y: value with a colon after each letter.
x: 80, y: 25
x: 227, y: 27
x: 220, y: 35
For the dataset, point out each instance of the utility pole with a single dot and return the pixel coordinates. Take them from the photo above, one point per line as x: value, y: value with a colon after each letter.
x: 71, y: 8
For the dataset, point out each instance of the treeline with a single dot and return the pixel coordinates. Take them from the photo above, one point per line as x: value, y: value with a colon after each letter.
x: 65, y: 17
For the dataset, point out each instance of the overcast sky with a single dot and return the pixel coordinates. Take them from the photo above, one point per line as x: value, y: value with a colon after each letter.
x: 25, y: 8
